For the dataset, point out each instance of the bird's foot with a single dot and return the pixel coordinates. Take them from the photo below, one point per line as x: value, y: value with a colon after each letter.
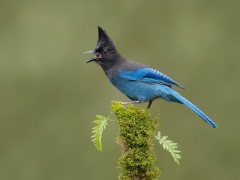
x: 149, y: 104
x: 129, y: 102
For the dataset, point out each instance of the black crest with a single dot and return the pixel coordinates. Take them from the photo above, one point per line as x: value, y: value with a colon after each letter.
x: 104, y: 41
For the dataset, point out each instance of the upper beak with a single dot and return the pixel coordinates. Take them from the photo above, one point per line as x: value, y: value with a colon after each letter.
x: 90, y: 52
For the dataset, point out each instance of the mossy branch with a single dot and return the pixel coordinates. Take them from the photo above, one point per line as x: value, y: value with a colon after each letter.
x: 138, y: 158
x: 136, y: 126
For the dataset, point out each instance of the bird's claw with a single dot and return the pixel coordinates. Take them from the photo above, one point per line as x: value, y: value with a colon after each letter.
x: 129, y: 102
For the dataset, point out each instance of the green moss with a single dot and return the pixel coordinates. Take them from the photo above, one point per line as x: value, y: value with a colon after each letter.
x: 138, y: 158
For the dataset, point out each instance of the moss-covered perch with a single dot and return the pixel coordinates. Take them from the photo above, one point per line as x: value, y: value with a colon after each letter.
x: 138, y: 158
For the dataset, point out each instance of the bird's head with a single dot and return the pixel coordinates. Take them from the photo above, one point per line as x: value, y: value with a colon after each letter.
x: 105, y: 51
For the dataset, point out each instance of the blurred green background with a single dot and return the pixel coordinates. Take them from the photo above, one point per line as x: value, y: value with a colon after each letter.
x: 49, y: 97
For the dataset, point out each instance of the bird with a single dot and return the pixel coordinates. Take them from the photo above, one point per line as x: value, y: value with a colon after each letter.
x: 137, y: 81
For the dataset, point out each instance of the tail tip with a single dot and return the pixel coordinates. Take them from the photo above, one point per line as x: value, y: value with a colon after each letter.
x: 213, y: 125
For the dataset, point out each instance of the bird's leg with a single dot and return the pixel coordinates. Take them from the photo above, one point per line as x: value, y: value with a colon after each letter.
x: 130, y: 102
x: 149, y: 104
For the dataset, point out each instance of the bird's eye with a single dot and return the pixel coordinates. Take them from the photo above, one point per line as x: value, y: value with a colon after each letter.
x: 105, y: 51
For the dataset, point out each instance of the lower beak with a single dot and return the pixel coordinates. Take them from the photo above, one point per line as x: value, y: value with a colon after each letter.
x: 90, y: 52
x: 91, y: 60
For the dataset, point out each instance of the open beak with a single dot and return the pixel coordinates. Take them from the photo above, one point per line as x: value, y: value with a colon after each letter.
x: 90, y: 52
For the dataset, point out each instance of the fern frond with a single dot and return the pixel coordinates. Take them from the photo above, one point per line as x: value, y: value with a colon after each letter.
x: 170, y: 146
x: 97, y: 131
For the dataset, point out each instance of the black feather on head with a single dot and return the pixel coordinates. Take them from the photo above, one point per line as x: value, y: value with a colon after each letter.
x: 104, y: 41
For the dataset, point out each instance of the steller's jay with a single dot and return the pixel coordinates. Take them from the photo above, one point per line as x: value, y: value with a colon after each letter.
x: 137, y: 81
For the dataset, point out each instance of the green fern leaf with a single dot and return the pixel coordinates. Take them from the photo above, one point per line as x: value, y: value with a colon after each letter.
x: 97, y: 131
x: 170, y: 146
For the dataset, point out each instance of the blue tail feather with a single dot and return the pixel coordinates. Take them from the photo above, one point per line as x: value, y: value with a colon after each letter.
x: 195, y: 109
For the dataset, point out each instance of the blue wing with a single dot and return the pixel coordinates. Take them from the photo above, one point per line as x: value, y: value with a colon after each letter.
x: 148, y: 75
